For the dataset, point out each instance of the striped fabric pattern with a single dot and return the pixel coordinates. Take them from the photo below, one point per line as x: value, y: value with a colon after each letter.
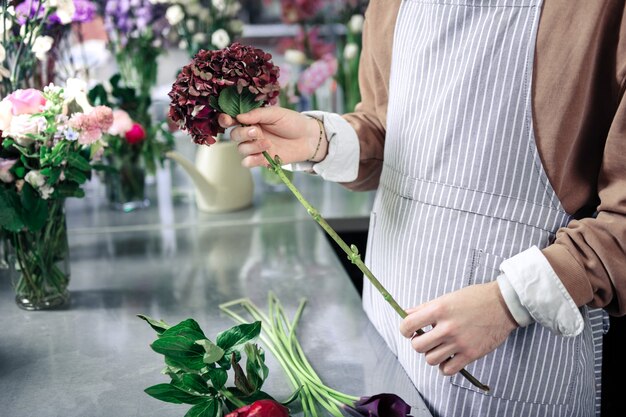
x: 462, y: 189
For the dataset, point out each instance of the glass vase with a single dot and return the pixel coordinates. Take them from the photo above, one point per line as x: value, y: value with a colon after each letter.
x: 39, y: 263
x: 126, y: 186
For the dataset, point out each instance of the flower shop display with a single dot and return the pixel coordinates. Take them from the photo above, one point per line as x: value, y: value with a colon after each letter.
x: 34, y: 35
x: 132, y: 148
x: 198, y: 369
x: 48, y: 140
x: 204, y: 24
x: 234, y: 81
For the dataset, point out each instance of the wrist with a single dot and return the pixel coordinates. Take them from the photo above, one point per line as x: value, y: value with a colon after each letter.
x: 316, y: 140
x: 512, y: 323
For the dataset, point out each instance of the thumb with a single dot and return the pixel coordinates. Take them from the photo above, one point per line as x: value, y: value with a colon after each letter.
x: 262, y: 115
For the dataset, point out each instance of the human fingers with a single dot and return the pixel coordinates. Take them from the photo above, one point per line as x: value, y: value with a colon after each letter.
x: 256, y: 160
x: 226, y: 121
x: 454, y: 364
x: 245, y: 133
x: 262, y: 115
x: 427, y: 341
x: 422, y: 317
x: 440, y: 354
x: 252, y: 147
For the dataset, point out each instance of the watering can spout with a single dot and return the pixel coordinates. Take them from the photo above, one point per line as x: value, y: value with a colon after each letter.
x: 221, y: 183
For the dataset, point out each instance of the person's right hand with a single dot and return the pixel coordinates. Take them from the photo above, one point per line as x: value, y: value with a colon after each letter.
x: 292, y: 136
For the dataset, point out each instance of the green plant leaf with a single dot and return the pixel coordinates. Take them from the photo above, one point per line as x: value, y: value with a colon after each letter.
x: 207, y: 408
x: 249, y: 399
x: 241, y: 381
x: 35, y: 208
x: 20, y: 172
x: 213, y: 353
x: 188, y: 328
x: 171, y: 394
x: 75, y: 175
x: 10, y: 218
x: 78, y: 162
x: 236, y: 337
x: 294, y: 396
x: 181, y: 349
x: 233, y: 104
x: 257, y: 371
x: 159, y: 326
x: 218, y: 377
x: 192, y: 383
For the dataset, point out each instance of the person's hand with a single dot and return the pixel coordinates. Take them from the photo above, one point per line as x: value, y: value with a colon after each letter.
x: 292, y: 136
x: 467, y: 324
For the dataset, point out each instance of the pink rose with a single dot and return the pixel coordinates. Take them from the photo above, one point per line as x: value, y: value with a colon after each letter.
x: 29, y: 101
x: 122, y: 123
x: 136, y: 134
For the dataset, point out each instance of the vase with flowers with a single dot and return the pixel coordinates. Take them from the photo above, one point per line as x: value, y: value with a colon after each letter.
x: 48, y: 139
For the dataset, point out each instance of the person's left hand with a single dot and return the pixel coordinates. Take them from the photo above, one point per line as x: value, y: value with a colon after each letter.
x: 467, y: 324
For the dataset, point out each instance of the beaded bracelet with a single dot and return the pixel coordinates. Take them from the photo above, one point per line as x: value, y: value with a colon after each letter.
x: 319, y: 140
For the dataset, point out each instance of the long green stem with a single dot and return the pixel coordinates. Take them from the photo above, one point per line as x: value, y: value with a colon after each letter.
x: 353, y: 255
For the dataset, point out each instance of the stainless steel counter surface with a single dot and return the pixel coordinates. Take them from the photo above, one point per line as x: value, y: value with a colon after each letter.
x: 93, y: 359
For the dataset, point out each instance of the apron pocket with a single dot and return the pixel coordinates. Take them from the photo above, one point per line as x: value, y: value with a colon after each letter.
x: 533, y: 365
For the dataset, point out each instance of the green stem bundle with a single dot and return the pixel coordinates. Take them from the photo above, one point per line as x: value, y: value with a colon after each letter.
x: 353, y: 254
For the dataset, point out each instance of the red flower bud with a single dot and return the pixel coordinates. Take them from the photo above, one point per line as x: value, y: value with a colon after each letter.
x: 261, y: 408
x: 136, y: 134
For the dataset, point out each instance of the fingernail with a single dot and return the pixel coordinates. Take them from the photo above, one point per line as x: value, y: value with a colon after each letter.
x: 252, y: 132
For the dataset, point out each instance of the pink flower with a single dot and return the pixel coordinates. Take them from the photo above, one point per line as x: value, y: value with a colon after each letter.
x: 29, y: 101
x: 317, y: 74
x: 122, y: 123
x: 136, y: 134
x: 102, y: 117
x: 5, y: 167
x: 87, y: 137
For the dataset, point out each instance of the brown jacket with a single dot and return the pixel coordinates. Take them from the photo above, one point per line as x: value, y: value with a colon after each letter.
x: 579, y: 115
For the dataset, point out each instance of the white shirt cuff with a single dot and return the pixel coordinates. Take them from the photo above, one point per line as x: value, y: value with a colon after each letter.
x: 342, y: 161
x: 541, y: 292
x: 512, y: 301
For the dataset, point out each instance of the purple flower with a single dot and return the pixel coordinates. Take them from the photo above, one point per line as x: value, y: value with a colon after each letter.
x: 380, y: 405
x: 85, y: 11
x: 128, y: 18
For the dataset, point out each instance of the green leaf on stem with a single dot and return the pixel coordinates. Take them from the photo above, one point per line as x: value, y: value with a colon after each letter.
x: 20, y: 172
x: 236, y: 337
x: 218, y: 377
x: 249, y: 399
x: 213, y: 353
x: 78, y: 162
x: 294, y: 396
x: 171, y: 394
x: 159, y: 326
x: 188, y: 328
x: 233, y: 104
x: 181, y: 349
x: 35, y: 208
x: 207, y: 408
x: 255, y: 366
x: 191, y: 383
x: 10, y: 218
x: 241, y: 381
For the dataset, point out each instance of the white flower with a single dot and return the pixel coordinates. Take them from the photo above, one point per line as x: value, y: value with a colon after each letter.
x: 65, y: 10
x: 35, y: 178
x: 193, y: 9
x: 46, y: 191
x: 6, y: 114
x: 5, y: 25
x: 220, y: 39
x: 174, y: 14
x: 235, y: 26
x: 205, y: 16
x: 295, y: 57
x: 41, y: 46
x: 183, y: 44
x: 76, y: 90
x: 233, y: 8
x: 23, y: 125
x: 355, y: 25
x: 350, y: 51
x: 220, y: 5
x: 3, y: 53
x: 199, y: 38
x: 191, y: 25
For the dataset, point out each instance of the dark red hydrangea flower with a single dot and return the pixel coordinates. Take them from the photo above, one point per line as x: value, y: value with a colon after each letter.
x: 380, y: 405
x: 208, y: 74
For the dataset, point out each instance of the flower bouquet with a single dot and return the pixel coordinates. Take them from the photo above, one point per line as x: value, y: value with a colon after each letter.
x: 234, y: 81
x: 132, y: 148
x: 198, y: 369
x: 32, y: 35
x: 48, y: 139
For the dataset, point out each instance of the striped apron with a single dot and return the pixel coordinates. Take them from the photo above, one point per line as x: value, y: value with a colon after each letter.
x: 462, y: 189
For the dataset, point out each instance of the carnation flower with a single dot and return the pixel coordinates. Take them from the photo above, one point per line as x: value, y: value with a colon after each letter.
x: 102, y: 117
x: 87, y: 137
x: 199, y: 84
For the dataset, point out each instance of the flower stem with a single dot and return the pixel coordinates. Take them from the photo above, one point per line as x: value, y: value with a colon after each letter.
x: 353, y: 254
